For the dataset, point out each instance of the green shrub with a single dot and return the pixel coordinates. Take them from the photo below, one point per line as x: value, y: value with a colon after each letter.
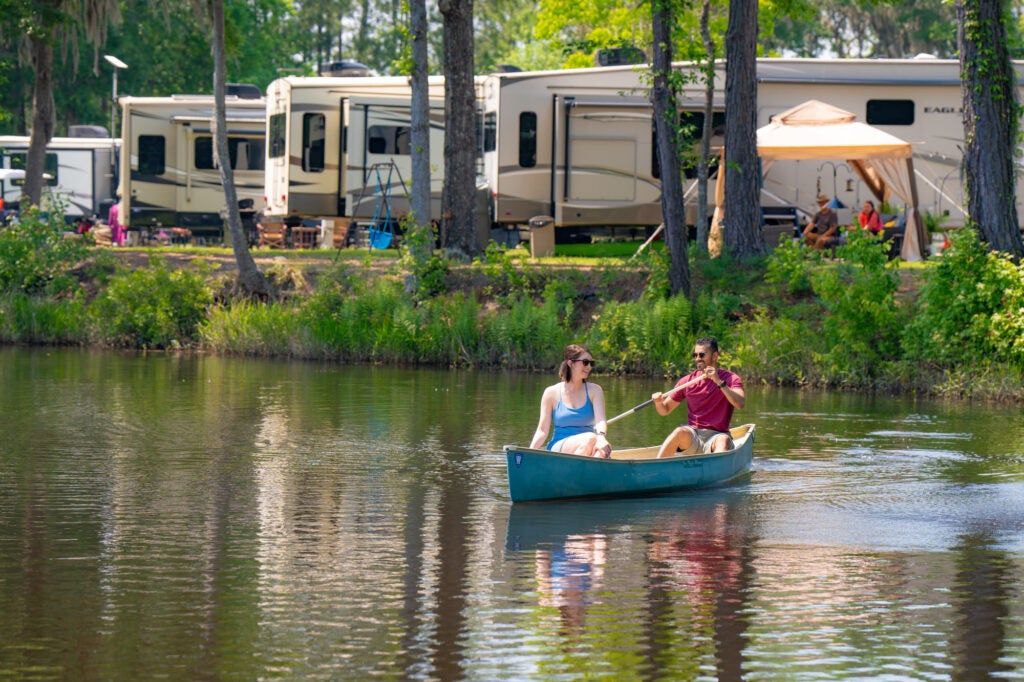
x: 36, y: 254
x: 26, y: 318
x: 152, y: 308
x: 249, y: 328
x: 788, y: 267
x: 970, y: 306
x: 525, y: 334
x: 859, y: 295
x: 776, y: 351
x: 644, y: 335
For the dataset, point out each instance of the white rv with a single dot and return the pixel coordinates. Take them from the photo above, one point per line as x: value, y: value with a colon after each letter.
x: 80, y: 174
x: 331, y: 140
x: 169, y: 174
x: 578, y: 145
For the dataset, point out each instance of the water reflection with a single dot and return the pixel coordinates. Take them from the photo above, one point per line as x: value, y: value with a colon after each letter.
x: 204, y: 518
x: 982, y: 593
x: 684, y: 556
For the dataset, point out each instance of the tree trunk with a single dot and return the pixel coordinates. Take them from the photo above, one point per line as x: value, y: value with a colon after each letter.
x: 420, y: 133
x: 990, y: 124
x: 42, y: 117
x: 458, y: 232
x: 665, y: 124
x: 742, y: 234
x: 250, y: 278
x: 704, y: 162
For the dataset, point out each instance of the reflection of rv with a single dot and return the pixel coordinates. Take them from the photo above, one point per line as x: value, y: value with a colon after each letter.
x: 577, y: 145
x: 170, y: 175
x: 327, y: 137
x: 79, y: 172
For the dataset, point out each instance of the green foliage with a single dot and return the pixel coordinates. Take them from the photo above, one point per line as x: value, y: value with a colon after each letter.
x: 643, y: 335
x: 428, y: 268
x: 36, y: 256
x: 152, y: 308
x: 26, y: 318
x: 501, y: 270
x: 248, y: 328
x: 971, y: 306
x: 723, y: 295
x: 777, y: 350
x: 658, y: 286
x: 858, y: 294
x: 525, y: 334
x: 788, y: 267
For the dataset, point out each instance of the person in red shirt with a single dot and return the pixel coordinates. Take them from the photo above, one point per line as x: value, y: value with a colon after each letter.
x: 710, y: 404
x: 869, y: 219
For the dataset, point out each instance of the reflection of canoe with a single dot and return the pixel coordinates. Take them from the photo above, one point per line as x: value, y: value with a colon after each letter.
x: 543, y: 524
x: 544, y: 475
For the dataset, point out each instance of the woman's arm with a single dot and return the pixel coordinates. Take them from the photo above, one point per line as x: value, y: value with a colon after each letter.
x: 600, y: 422
x: 544, y: 425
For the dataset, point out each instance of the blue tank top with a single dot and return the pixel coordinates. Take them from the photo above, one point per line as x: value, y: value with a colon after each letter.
x: 569, y: 421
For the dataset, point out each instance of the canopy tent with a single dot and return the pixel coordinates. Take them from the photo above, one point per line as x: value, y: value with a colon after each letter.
x: 815, y: 130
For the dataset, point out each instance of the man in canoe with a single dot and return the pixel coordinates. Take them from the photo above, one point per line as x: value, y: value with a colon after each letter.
x: 711, y: 395
x: 576, y: 409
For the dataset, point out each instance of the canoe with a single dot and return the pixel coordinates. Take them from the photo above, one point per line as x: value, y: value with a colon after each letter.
x: 544, y: 475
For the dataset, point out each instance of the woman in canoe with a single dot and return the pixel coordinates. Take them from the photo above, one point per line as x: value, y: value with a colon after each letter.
x: 575, y: 407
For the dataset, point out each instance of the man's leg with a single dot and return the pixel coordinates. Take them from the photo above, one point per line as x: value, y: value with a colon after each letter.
x: 680, y: 439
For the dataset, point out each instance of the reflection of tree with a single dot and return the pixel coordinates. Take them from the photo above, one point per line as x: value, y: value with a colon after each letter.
x: 567, y: 577
x: 696, y: 557
x: 983, y: 586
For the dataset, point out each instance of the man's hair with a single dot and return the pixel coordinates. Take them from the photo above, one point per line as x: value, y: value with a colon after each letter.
x: 708, y: 341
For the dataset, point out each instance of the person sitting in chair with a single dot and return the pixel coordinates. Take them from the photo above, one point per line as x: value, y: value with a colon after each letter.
x: 823, y: 230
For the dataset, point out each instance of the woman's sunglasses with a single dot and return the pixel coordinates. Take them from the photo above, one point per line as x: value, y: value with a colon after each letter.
x: 588, y: 363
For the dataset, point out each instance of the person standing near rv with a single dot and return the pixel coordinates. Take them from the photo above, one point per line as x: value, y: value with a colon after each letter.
x: 116, y: 228
x: 823, y: 230
x: 710, y: 403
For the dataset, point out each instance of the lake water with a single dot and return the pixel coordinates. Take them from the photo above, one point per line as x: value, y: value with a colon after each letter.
x: 203, y: 518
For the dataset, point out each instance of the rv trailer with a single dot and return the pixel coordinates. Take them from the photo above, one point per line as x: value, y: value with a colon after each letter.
x: 169, y: 172
x: 577, y: 145
x: 80, y: 174
x: 329, y: 136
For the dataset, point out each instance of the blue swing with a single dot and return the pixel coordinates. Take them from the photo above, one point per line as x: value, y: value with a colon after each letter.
x: 382, y: 234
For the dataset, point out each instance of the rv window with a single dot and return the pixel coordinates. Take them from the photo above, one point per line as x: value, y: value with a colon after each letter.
x: 151, y: 154
x: 278, y: 128
x: 246, y: 153
x: 890, y: 112
x: 203, y: 153
x: 527, y: 139
x: 490, y: 132
x: 389, y: 140
x: 313, y: 143
x: 50, y: 167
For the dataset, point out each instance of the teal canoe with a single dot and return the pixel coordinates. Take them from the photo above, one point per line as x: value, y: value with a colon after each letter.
x: 535, y: 475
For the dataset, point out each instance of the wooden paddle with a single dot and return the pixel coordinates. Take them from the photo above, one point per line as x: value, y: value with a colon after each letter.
x: 651, y: 401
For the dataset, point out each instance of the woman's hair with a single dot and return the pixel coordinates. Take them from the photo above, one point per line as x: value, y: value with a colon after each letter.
x: 572, y: 352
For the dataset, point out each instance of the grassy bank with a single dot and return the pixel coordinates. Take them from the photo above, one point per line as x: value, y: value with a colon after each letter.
x: 794, y: 318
